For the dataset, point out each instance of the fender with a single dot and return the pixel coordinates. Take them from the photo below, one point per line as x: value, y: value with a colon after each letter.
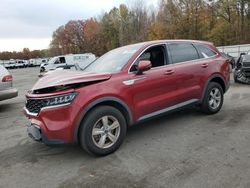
x: 99, y: 101
x: 209, y: 80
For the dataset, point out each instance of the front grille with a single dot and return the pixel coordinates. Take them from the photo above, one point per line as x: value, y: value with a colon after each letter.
x: 35, y: 105
x: 246, y: 64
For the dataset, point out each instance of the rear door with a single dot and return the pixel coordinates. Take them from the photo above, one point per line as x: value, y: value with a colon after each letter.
x: 189, y: 71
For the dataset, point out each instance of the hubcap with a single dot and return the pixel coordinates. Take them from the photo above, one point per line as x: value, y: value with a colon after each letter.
x: 106, y: 132
x: 215, y: 98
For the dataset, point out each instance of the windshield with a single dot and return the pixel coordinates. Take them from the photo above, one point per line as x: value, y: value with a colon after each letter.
x: 52, y: 60
x: 114, y: 60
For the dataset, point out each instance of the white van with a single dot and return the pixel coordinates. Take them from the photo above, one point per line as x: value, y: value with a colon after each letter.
x: 82, y: 60
x: 32, y: 62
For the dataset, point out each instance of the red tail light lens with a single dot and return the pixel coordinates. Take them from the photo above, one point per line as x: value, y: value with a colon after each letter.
x: 7, y: 78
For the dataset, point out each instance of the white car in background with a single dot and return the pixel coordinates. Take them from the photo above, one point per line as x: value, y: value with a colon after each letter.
x: 20, y: 63
x: 26, y: 63
x: 82, y: 60
x: 6, y: 89
x: 11, y: 64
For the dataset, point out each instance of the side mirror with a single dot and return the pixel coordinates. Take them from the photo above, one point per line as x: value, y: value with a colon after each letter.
x: 143, y: 65
x: 241, y: 54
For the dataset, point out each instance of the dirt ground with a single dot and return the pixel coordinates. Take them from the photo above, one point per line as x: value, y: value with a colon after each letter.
x: 183, y: 149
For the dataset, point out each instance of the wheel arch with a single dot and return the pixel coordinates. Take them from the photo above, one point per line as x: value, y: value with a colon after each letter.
x: 108, y: 101
x: 218, y: 79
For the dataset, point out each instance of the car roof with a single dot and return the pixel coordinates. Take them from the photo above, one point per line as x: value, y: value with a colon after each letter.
x: 175, y: 40
x: 155, y: 42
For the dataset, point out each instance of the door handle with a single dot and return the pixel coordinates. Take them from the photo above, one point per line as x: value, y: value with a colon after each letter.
x: 205, y: 65
x: 169, y: 72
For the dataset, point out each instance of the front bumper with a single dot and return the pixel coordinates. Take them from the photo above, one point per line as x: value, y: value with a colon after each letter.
x: 8, y: 94
x: 54, y: 125
x: 246, y: 71
x: 36, y: 134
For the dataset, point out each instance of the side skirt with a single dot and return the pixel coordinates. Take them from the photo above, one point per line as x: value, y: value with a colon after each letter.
x: 169, y: 109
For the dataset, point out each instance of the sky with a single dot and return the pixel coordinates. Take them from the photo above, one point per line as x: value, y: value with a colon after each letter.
x: 30, y: 23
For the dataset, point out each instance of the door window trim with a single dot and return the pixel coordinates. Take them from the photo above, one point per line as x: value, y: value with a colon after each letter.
x: 190, y: 61
x: 153, y: 45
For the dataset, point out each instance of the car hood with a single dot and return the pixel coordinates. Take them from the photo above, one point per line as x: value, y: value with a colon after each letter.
x: 246, y: 58
x: 67, y: 77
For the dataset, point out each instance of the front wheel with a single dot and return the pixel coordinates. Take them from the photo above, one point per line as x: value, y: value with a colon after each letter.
x: 42, y: 69
x: 213, y: 99
x: 103, y: 130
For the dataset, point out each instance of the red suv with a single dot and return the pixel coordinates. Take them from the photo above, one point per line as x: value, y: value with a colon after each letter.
x: 127, y: 85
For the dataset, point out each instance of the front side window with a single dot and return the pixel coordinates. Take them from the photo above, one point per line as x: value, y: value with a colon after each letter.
x: 155, y: 54
x: 181, y: 52
x: 62, y: 60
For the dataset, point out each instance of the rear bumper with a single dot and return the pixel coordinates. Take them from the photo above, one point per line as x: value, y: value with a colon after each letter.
x: 8, y: 94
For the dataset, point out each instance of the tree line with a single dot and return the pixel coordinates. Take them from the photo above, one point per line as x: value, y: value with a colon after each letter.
x: 223, y: 22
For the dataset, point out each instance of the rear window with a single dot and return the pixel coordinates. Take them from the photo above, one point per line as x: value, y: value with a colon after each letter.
x: 181, y: 52
x: 204, y: 51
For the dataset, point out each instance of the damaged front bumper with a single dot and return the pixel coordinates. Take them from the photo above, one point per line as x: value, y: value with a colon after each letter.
x: 241, y: 77
x: 36, y: 134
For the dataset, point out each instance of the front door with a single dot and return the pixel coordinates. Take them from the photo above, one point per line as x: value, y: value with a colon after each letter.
x: 153, y: 91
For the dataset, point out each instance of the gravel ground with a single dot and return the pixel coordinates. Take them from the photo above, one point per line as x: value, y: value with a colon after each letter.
x: 183, y: 149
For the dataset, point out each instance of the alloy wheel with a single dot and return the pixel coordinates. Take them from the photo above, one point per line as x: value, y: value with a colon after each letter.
x: 215, y: 98
x: 106, y: 132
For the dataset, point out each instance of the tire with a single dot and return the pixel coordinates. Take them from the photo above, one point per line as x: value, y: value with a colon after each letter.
x: 210, y: 104
x: 95, y: 120
x: 42, y: 69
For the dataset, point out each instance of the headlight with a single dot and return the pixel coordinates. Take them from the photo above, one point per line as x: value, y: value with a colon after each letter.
x: 60, y: 99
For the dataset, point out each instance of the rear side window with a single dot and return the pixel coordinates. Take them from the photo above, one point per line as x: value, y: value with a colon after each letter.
x: 181, y: 52
x: 204, y: 51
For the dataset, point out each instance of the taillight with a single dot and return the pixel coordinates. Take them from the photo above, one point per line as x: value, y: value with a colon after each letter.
x: 7, y: 78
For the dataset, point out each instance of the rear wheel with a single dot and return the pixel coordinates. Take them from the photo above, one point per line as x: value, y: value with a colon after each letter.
x: 103, y: 130
x: 213, y: 99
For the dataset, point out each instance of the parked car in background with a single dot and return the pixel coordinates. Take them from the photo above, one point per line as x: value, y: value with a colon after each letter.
x: 32, y: 62
x: 44, y: 60
x: 74, y: 67
x: 11, y: 64
x: 6, y: 64
x: 20, y: 64
x: 39, y: 61
x: 26, y: 63
x: 242, y: 70
x: 59, y: 61
x: 123, y: 87
x: 6, y: 89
